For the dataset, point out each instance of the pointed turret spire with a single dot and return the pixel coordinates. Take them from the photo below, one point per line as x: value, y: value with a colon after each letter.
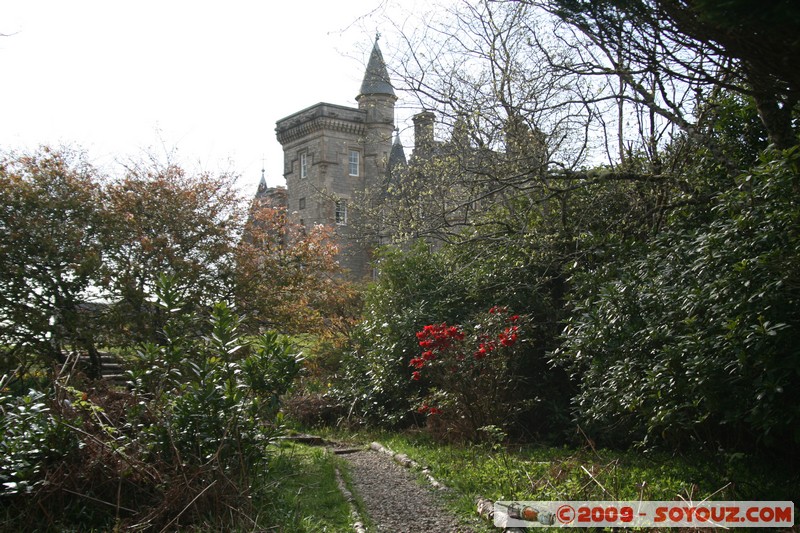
x: 262, y: 185
x: 397, y: 157
x: 376, y: 78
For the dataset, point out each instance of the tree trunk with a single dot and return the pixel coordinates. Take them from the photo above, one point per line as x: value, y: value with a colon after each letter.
x: 776, y: 115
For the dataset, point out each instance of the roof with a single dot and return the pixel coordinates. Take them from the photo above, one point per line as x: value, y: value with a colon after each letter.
x: 398, y: 155
x: 376, y: 78
x: 262, y: 186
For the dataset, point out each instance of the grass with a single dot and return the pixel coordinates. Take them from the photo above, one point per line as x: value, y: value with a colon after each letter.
x: 547, y: 474
x: 298, y: 493
x: 551, y: 473
x: 302, y: 495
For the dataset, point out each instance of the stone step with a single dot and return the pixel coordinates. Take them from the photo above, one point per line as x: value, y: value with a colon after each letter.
x: 345, y: 451
x: 112, y: 367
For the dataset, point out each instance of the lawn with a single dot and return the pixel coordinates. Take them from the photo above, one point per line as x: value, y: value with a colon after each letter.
x: 302, y: 495
x: 529, y: 472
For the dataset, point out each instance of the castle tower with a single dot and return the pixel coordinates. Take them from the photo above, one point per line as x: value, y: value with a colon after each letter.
x: 332, y: 153
x: 377, y: 99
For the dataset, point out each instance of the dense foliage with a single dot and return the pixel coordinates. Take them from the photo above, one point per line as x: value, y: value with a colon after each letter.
x: 50, y: 252
x: 695, y: 336
x: 660, y: 287
x: 133, y: 265
x: 80, y: 254
x: 421, y: 288
x: 607, y: 249
x: 373, y: 379
x: 191, y: 435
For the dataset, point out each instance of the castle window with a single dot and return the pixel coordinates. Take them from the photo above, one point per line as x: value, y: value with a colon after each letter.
x: 341, y: 212
x: 303, y: 166
x: 302, y: 203
x: 353, y: 163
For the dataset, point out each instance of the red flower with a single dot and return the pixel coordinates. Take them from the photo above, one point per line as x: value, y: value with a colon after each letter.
x: 484, y: 350
x: 417, y: 362
x: 513, y: 318
x: 454, y: 332
x: 425, y: 408
x: 509, y: 336
x: 428, y: 356
x: 415, y: 375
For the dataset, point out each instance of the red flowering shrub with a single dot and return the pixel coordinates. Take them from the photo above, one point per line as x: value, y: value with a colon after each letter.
x: 468, y: 373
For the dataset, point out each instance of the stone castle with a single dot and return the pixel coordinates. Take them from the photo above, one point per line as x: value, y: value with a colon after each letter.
x: 331, y: 153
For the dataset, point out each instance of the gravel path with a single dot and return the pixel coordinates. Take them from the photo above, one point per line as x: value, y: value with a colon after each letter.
x: 395, y: 501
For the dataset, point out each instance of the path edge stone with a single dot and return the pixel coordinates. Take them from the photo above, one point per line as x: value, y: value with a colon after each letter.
x: 358, y: 522
x: 405, y: 461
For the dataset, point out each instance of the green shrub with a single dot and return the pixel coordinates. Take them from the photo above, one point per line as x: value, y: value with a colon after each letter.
x: 372, y: 384
x: 186, y: 444
x: 31, y: 439
x: 695, y: 340
x: 218, y: 395
x: 419, y: 287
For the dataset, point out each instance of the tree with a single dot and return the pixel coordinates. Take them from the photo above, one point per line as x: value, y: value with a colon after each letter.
x: 81, y: 258
x: 523, y: 111
x: 741, y: 45
x: 761, y: 39
x: 531, y: 93
x: 288, y: 278
x: 160, y: 219
x: 477, y: 67
x: 50, y: 253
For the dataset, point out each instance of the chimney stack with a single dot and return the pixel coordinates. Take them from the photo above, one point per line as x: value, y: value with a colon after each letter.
x: 423, y: 131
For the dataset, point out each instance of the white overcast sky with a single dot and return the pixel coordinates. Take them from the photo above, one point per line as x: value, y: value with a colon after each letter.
x: 207, y: 78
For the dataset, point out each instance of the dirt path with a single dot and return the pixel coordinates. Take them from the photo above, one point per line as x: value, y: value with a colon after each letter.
x: 395, y: 501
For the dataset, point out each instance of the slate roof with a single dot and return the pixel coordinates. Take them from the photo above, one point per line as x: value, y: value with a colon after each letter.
x: 262, y: 186
x: 376, y: 78
x: 398, y: 155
